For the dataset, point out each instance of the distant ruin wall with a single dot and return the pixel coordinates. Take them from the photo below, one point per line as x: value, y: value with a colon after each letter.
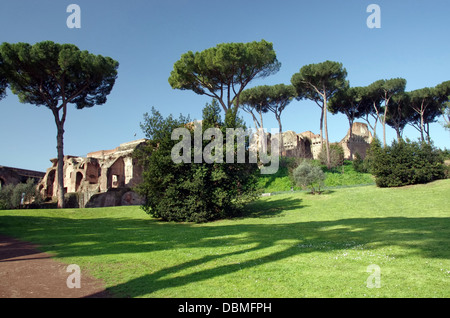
x: 358, y: 143
x: 309, y: 145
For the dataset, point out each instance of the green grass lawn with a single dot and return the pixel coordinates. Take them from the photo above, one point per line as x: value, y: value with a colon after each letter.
x: 289, y: 245
x: 337, y: 177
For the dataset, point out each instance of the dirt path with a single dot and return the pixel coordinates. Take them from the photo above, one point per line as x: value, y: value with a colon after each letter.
x: 26, y: 272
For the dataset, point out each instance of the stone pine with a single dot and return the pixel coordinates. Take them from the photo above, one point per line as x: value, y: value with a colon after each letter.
x: 55, y: 75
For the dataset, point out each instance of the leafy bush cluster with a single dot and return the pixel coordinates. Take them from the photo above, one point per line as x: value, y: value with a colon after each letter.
x: 361, y: 165
x: 405, y: 163
x: 283, y: 180
x: 11, y: 195
x: 191, y: 192
x: 309, y: 176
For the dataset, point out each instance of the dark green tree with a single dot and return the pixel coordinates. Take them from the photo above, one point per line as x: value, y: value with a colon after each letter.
x: 385, y: 90
x: 223, y: 72
x: 319, y: 83
x: 424, y: 103
x: 352, y: 103
x: 373, y: 106
x: 279, y: 97
x: 3, y: 82
x: 405, y: 162
x: 443, y: 93
x: 191, y: 191
x: 446, y: 115
x: 11, y: 196
x: 255, y: 100
x: 273, y: 98
x: 56, y: 75
x: 400, y: 113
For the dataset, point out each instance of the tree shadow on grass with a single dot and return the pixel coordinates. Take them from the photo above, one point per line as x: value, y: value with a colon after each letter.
x: 320, y: 192
x: 256, y: 244
x: 272, y: 207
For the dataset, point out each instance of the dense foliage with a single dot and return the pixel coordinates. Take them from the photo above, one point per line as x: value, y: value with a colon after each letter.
x: 222, y: 72
x: 319, y: 83
x: 13, y: 196
x: 55, y: 75
x: 191, y: 192
x: 405, y: 162
x: 361, y: 165
x: 3, y: 81
x: 309, y: 176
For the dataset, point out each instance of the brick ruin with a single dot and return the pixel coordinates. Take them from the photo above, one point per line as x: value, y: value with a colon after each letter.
x: 105, y: 178
x: 102, y: 178
x: 10, y: 175
x: 359, y: 143
x: 307, y: 144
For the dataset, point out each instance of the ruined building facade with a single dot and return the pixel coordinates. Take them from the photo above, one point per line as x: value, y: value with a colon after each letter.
x: 10, y: 175
x: 102, y: 178
x: 359, y: 142
x: 308, y: 144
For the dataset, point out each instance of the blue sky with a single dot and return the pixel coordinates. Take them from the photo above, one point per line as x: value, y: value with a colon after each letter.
x: 148, y: 37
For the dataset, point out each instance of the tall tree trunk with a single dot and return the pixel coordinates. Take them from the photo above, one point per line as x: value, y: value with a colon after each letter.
x: 281, y: 135
x: 384, y: 124
x: 427, y: 131
x: 350, y: 138
x: 321, y: 130
x: 327, y: 143
x: 399, y: 135
x: 263, y: 144
x: 374, y: 127
x: 257, y: 129
x: 422, y: 127
x: 377, y: 117
x: 60, y: 148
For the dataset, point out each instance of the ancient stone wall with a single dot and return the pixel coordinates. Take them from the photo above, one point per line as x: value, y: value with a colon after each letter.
x: 358, y: 143
x: 96, y: 173
x: 308, y: 144
x: 295, y: 145
x: 9, y: 175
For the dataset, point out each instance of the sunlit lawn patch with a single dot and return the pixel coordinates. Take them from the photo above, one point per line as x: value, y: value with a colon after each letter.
x: 289, y: 245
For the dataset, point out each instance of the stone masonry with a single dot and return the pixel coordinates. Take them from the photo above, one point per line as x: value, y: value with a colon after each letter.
x: 10, y: 175
x: 307, y: 144
x: 99, y: 172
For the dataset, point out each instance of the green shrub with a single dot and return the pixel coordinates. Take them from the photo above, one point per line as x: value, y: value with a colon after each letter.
x: 191, y: 192
x: 5, y: 197
x: 405, y: 163
x: 309, y: 176
x: 4, y: 205
x: 336, y: 155
x: 11, y: 195
x: 446, y: 156
x: 71, y: 200
x: 447, y: 171
x: 361, y: 165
